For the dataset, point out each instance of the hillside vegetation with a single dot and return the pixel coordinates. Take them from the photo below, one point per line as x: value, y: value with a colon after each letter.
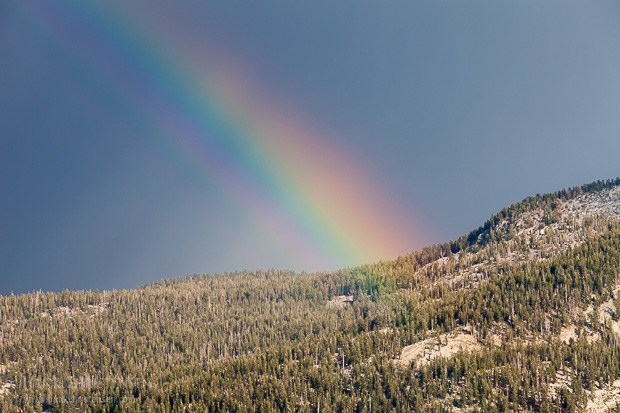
x: 522, y: 314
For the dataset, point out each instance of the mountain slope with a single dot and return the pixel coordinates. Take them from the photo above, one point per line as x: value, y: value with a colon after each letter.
x: 520, y: 314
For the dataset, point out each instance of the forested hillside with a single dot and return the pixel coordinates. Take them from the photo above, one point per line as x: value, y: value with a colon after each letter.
x: 522, y: 314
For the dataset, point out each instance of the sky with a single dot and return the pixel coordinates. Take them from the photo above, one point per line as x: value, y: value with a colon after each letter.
x: 145, y: 140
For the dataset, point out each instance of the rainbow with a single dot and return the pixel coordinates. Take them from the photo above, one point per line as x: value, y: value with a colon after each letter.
x: 231, y: 136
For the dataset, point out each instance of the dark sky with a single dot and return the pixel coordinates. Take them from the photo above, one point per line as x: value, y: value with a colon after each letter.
x: 143, y: 140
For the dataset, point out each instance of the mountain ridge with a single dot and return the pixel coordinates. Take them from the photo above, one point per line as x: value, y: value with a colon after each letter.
x: 521, y: 314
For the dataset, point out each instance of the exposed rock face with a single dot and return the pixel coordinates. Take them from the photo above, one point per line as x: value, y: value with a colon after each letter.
x: 340, y: 301
x: 602, y: 203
